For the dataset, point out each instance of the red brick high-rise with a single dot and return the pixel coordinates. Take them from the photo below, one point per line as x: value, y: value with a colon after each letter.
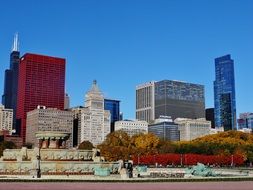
x: 41, y: 82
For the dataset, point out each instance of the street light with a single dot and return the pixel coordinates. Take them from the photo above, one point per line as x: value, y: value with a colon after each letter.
x: 181, y: 159
x: 38, y: 164
x: 232, y: 160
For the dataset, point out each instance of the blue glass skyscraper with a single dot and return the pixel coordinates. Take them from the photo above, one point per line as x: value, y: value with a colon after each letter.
x: 224, y: 93
x: 114, y: 107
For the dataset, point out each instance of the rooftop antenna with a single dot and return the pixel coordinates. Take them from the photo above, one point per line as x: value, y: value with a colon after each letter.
x: 15, y: 46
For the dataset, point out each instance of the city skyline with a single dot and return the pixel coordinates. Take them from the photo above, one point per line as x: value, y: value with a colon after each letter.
x: 123, y: 44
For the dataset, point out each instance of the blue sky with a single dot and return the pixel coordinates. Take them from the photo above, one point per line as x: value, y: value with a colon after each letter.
x: 123, y: 43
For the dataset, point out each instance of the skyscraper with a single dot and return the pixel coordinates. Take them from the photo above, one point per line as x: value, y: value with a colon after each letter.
x: 95, y: 121
x: 145, y: 101
x: 114, y: 107
x: 169, y: 98
x: 224, y: 93
x: 41, y: 82
x: 9, y: 97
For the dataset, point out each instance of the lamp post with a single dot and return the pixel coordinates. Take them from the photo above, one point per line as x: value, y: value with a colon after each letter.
x: 155, y: 161
x: 232, y: 160
x: 181, y: 159
x: 38, y: 164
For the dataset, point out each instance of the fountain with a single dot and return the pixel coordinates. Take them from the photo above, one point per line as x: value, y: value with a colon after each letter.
x: 200, y: 170
x: 52, y: 158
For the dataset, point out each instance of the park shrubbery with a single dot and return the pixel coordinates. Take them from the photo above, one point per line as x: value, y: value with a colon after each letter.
x: 219, y: 149
x: 189, y: 159
x: 6, y: 145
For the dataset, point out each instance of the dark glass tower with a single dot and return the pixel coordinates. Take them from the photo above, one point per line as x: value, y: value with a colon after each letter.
x: 210, y: 116
x: 114, y: 107
x: 179, y: 99
x: 224, y: 93
x: 9, y: 97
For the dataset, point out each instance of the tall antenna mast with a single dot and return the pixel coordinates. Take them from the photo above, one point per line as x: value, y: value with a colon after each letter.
x: 15, y: 46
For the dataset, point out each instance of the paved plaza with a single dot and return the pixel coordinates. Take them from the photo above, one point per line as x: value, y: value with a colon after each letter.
x: 244, y: 185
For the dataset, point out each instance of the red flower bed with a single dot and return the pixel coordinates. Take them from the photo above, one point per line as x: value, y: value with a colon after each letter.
x: 189, y: 159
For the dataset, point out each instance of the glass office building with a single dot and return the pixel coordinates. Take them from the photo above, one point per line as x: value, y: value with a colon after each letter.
x: 165, y: 130
x: 179, y: 99
x: 114, y: 107
x: 224, y: 93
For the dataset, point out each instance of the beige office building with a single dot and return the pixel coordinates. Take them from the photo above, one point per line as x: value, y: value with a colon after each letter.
x: 6, y: 119
x: 145, y: 101
x: 95, y: 121
x: 193, y: 128
x: 132, y: 127
x: 48, y: 119
x: 66, y: 101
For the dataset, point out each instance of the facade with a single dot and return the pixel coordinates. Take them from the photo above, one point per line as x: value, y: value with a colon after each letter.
x: 41, y: 82
x: 9, y: 97
x: 216, y: 130
x: 145, y: 102
x: 114, y: 107
x: 245, y: 121
x: 168, y: 97
x: 165, y: 129
x: 6, y: 119
x: 66, y: 101
x: 179, y: 99
x: 191, y: 129
x: 95, y: 121
x: 132, y: 127
x: 48, y: 120
x: 224, y: 93
x: 210, y: 116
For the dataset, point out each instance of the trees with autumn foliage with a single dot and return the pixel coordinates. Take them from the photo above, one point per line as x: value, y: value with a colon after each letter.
x: 85, y: 145
x: 218, y: 148
x: 225, y: 143
x: 118, y: 145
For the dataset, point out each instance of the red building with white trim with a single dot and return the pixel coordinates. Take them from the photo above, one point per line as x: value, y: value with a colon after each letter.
x: 41, y: 82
